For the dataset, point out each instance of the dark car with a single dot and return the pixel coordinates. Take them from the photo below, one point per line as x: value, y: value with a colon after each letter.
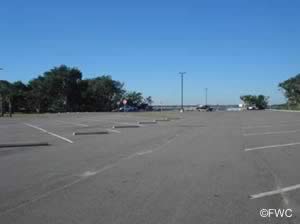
x: 128, y: 109
x: 205, y: 108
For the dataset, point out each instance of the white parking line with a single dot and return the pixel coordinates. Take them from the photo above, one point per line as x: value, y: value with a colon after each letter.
x: 288, y: 125
x: 271, y: 126
x: 271, y: 133
x: 288, y: 122
x: 260, y: 126
x: 75, y: 124
x: 272, y: 146
x: 48, y: 132
x: 271, y: 193
x: 113, y: 131
x: 88, y: 174
x: 93, y: 173
x: 144, y: 153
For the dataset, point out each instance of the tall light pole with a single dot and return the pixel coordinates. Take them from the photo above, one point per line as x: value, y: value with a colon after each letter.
x: 182, y: 76
x: 206, y: 90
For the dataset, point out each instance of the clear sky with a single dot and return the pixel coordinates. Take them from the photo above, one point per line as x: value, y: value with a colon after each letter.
x: 232, y: 47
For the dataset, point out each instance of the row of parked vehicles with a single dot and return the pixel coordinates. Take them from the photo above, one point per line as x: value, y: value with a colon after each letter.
x: 200, y: 108
x: 204, y: 108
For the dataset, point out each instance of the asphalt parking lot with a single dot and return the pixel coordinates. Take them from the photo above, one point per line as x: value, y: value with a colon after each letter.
x: 219, y: 167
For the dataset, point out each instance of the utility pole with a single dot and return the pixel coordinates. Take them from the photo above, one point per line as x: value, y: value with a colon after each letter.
x: 206, y: 90
x: 182, y: 76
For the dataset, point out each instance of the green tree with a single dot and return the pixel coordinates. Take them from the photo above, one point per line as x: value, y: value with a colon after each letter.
x: 134, y: 98
x: 37, y: 97
x: 260, y: 101
x: 101, y: 93
x: 19, y: 93
x: 57, y: 90
x: 291, y: 89
x: 5, y: 97
x: 149, y: 100
x: 249, y: 100
x: 63, y: 88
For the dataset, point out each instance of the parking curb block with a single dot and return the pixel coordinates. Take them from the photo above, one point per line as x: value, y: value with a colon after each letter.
x: 147, y: 122
x: 92, y: 133
x: 29, y: 144
x: 126, y: 126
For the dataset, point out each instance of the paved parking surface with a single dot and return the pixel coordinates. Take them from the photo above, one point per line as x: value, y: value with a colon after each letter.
x: 220, y: 167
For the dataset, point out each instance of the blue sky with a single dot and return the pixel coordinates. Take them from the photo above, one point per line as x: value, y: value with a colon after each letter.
x: 232, y: 47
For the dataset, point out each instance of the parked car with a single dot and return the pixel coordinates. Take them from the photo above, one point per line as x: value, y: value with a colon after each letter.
x: 205, y: 108
x: 252, y: 108
x: 128, y: 109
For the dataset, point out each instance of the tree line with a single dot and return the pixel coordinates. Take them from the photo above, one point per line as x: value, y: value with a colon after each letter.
x: 62, y: 89
x: 290, y: 89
